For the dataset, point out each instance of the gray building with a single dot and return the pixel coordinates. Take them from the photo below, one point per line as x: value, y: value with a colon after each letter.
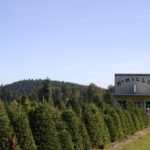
x: 132, y: 87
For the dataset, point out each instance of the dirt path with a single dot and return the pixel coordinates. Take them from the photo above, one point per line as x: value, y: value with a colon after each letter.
x: 119, y: 145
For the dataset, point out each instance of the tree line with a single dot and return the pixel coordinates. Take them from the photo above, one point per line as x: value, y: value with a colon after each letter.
x: 66, y: 118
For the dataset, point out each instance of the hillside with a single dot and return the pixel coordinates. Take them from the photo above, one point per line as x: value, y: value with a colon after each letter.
x: 27, y: 86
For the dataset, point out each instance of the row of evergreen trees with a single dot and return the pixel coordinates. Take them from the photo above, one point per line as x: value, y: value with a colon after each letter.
x: 78, y: 125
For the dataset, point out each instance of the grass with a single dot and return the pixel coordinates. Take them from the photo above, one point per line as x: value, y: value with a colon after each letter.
x: 140, y: 144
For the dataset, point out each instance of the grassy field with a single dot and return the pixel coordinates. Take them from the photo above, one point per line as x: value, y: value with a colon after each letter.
x: 141, y: 144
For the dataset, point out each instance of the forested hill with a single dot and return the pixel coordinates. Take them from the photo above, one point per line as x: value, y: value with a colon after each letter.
x: 27, y: 86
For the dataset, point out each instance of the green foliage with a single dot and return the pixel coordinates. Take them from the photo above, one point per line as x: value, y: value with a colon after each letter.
x: 145, y: 118
x: 73, y: 127
x: 26, y: 103
x: 95, y: 126
x: 111, y: 127
x: 129, y: 132
x: 132, y: 128
x: 122, y: 119
x: 74, y: 103
x: 67, y: 93
x: 94, y: 93
x: 135, y: 121
x: 5, y: 129
x: 139, y: 116
x: 46, y: 90
x: 66, y: 140
x: 108, y: 98
x: 57, y: 98
x: 20, y: 123
x: 44, y: 129
x: 85, y: 137
x: 117, y: 122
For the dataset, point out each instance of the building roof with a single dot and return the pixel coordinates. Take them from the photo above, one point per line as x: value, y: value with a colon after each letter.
x: 129, y: 74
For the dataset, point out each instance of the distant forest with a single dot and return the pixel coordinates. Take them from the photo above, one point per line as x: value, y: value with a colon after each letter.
x: 53, y: 115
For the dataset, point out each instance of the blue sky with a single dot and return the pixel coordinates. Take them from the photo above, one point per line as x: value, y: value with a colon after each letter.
x: 80, y: 41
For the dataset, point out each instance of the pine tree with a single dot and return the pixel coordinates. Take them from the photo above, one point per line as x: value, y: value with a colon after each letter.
x: 75, y: 106
x: 95, y: 126
x: 26, y: 103
x: 117, y: 122
x: 139, y: 116
x: 44, y: 129
x: 20, y: 123
x: 46, y: 90
x: 85, y: 137
x: 111, y: 127
x: 122, y: 119
x: 66, y: 140
x: 6, y: 130
x: 131, y: 123
x: 57, y: 98
x: 145, y: 119
x: 127, y: 124
x: 71, y: 121
x: 135, y: 121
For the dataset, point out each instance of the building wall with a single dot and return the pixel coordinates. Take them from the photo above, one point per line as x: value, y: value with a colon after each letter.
x: 132, y: 84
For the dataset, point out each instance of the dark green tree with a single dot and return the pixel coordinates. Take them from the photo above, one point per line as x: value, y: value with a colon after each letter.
x: 122, y: 119
x: 140, y: 118
x: 111, y: 127
x: 6, y: 130
x: 66, y: 140
x: 135, y: 121
x: 85, y: 137
x: 20, y: 123
x: 95, y: 126
x: 44, y: 128
x: 57, y: 98
x: 26, y: 103
x: 67, y: 93
x: 72, y: 125
x: 132, y: 128
x: 117, y: 121
x: 74, y: 104
x: 46, y: 90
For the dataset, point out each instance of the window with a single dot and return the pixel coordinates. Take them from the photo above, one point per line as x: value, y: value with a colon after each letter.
x: 138, y: 104
x: 122, y: 103
x: 147, y: 104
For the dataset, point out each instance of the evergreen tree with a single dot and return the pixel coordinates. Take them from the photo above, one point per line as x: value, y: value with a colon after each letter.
x: 44, y: 129
x: 76, y: 93
x: 26, y: 103
x: 117, y: 122
x: 139, y: 116
x: 111, y: 127
x: 66, y: 141
x: 46, y: 90
x: 145, y: 119
x: 131, y: 123
x: 75, y: 106
x: 135, y: 121
x: 67, y: 93
x: 20, y: 123
x: 95, y: 126
x: 6, y: 131
x: 73, y: 127
x: 85, y: 137
x: 57, y: 98
x: 122, y: 119
x: 129, y: 132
